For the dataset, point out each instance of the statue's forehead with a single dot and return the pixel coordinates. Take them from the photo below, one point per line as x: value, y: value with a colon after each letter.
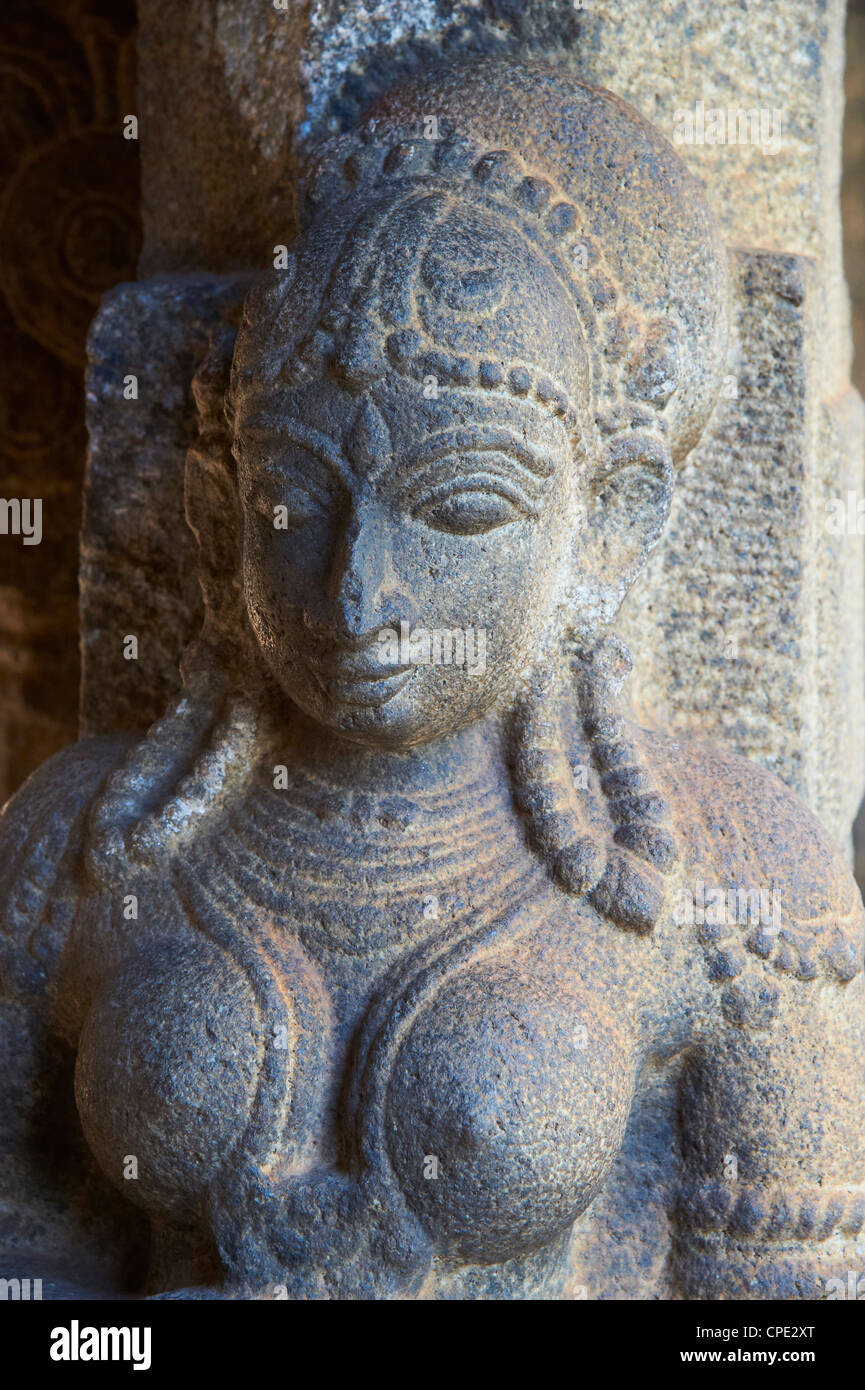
x: 408, y: 416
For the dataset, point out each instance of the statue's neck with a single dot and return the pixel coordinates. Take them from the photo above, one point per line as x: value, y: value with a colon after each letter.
x: 472, y: 754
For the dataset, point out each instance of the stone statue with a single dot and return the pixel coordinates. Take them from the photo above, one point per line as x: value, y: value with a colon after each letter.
x: 396, y: 961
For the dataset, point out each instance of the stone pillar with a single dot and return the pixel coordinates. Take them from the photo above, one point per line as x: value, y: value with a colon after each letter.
x: 749, y: 624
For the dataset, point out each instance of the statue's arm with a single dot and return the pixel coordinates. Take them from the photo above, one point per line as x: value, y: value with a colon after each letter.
x: 42, y: 831
x: 773, y: 1118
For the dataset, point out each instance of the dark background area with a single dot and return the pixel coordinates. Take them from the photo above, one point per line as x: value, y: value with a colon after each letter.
x: 69, y: 230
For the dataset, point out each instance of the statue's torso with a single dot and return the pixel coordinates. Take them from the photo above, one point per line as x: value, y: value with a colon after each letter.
x: 319, y: 917
x: 332, y: 1004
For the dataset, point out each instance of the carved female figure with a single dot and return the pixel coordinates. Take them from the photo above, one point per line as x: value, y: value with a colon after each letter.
x: 394, y: 976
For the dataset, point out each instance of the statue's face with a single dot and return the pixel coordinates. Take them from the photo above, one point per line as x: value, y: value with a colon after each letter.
x: 403, y: 557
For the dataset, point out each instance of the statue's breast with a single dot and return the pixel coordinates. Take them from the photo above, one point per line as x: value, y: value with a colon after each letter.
x: 507, y: 1104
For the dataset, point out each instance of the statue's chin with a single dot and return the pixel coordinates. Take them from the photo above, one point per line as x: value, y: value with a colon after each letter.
x: 395, y: 723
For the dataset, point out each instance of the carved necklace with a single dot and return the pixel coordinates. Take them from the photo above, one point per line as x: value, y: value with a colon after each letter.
x: 357, y: 873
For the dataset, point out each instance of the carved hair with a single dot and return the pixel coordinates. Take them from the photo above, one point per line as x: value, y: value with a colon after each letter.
x: 360, y: 325
x: 622, y: 877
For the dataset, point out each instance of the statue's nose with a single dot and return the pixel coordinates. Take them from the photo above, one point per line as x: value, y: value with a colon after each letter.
x: 364, y: 589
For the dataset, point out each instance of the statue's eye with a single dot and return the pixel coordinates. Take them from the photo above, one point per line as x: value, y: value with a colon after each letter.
x: 469, y: 513
x: 470, y: 508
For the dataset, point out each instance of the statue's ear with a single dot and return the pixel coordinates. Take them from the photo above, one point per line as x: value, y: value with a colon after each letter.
x: 627, y: 507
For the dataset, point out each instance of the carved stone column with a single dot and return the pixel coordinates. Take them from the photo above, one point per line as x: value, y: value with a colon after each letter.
x: 387, y: 971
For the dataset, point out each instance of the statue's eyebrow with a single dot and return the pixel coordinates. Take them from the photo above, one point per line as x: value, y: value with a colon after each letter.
x: 483, y: 438
x: 320, y: 445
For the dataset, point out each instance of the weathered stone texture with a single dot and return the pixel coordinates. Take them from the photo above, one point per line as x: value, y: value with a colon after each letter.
x: 137, y: 554
x: 748, y: 625
x: 853, y: 180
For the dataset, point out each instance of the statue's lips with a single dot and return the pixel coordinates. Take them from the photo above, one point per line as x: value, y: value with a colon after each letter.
x: 361, y: 683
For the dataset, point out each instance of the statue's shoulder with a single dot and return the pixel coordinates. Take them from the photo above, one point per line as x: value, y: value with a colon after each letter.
x: 42, y: 830
x: 744, y: 834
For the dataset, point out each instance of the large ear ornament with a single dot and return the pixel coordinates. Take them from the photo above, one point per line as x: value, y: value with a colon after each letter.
x: 631, y: 494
